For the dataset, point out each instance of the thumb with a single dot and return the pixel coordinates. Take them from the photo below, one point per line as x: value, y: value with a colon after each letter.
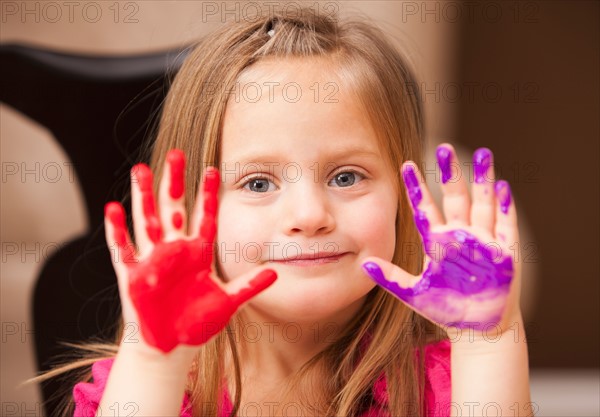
x: 389, y: 276
x: 249, y: 285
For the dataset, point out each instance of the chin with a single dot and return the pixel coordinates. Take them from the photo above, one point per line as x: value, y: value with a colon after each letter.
x: 308, y: 301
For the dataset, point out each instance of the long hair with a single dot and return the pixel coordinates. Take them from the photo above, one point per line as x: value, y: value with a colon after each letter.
x: 192, y: 120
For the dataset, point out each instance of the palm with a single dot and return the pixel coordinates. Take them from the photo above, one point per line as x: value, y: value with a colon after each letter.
x: 175, y: 297
x: 465, y: 283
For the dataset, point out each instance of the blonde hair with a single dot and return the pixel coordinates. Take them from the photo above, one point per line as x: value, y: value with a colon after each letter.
x: 192, y: 120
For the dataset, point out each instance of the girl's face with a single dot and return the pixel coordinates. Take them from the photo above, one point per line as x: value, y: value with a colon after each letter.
x: 303, y: 176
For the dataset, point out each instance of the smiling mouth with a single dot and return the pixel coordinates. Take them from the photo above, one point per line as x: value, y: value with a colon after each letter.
x: 311, y: 260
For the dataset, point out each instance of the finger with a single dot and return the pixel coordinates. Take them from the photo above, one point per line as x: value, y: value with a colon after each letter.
x: 205, y: 210
x: 146, y: 224
x: 249, y: 285
x: 122, y: 250
x: 171, y: 196
x: 456, y: 200
x: 426, y: 213
x: 123, y: 254
x: 391, y: 277
x: 506, y: 229
x: 484, y: 200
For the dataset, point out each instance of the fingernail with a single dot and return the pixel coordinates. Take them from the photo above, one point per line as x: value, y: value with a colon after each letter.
x: 261, y: 281
x: 503, y: 194
x: 135, y: 172
x: 264, y: 278
x: 444, y: 155
x: 482, y: 159
x: 375, y: 272
x: 412, y: 185
x: 113, y: 209
x: 142, y: 174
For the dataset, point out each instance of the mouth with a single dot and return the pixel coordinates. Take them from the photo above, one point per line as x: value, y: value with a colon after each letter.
x: 312, y: 259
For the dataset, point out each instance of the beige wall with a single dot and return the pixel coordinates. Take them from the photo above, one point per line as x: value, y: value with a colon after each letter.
x: 40, y: 213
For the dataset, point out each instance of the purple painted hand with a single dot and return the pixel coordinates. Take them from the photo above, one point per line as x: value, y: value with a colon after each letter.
x: 469, y: 278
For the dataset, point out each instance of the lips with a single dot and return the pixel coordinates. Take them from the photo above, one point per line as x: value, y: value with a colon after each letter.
x: 311, y: 259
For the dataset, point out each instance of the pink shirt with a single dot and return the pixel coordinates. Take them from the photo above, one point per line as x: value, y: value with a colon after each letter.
x: 437, y: 387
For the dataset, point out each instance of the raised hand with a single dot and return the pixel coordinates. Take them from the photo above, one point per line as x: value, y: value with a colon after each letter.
x: 166, y: 285
x: 469, y: 278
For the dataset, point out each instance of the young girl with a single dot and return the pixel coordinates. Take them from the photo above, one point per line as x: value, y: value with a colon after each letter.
x: 284, y: 268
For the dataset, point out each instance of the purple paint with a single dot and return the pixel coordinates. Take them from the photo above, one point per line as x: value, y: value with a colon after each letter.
x: 444, y: 157
x: 503, y: 194
x: 415, y: 195
x: 465, y: 283
x: 412, y: 185
x: 482, y: 159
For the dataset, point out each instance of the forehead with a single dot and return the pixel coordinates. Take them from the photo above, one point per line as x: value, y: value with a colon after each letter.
x: 294, y: 104
x: 292, y: 69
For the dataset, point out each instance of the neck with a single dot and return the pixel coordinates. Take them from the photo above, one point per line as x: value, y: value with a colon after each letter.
x: 272, y: 349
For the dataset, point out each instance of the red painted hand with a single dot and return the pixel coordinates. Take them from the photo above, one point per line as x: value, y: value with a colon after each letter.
x: 166, y: 285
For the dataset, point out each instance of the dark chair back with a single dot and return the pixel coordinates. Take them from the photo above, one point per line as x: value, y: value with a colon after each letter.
x: 100, y: 109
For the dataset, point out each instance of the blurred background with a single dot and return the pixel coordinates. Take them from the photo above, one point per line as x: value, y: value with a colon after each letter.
x: 519, y: 77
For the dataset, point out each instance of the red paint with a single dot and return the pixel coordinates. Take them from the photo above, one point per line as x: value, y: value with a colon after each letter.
x: 144, y: 177
x: 210, y: 189
x: 177, y: 220
x: 115, y: 214
x: 176, y: 160
x: 257, y: 284
x: 176, y: 299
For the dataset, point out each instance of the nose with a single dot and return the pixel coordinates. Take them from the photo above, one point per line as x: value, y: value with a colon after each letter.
x: 307, y: 210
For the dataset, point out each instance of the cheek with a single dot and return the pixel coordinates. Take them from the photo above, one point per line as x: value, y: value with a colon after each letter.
x: 240, y: 238
x: 374, y: 225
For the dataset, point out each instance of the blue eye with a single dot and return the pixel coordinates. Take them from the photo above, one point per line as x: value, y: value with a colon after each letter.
x: 346, y: 178
x: 259, y: 185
